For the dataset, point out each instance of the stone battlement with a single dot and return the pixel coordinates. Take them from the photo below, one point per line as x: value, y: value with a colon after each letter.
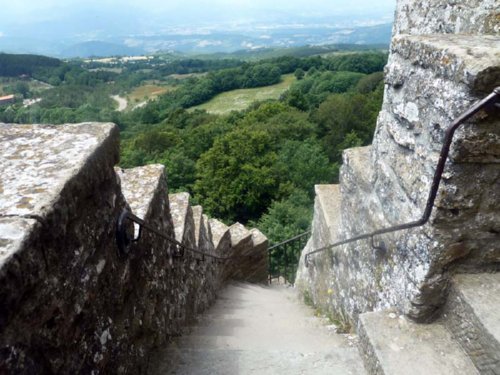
x: 69, y: 302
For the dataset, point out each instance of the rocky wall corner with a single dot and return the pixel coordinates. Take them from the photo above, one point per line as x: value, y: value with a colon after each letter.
x: 433, y: 75
x: 69, y: 301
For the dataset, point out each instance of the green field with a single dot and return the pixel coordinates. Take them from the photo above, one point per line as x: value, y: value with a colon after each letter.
x: 146, y: 92
x: 238, y: 100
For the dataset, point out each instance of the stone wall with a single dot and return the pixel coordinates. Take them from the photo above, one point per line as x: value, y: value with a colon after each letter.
x: 447, y: 17
x: 432, y: 76
x: 69, y: 302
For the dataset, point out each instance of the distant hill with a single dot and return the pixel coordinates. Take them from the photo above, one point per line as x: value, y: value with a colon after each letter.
x: 100, y: 49
x: 303, y: 51
x: 206, y: 42
x: 15, y: 65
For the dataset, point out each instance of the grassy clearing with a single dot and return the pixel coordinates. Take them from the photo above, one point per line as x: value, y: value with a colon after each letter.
x: 146, y: 92
x: 238, y: 100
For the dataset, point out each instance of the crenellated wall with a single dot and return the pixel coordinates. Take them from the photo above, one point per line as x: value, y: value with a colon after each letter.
x: 444, y: 57
x: 69, y: 303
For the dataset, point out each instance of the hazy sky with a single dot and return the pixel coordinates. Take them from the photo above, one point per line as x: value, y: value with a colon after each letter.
x: 204, y: 10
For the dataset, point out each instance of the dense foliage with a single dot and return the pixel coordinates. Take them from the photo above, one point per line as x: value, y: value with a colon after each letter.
x: 16, y: 65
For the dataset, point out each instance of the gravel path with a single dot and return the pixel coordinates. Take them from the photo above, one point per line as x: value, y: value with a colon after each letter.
x: 259, y: 330
x: 122, y: 102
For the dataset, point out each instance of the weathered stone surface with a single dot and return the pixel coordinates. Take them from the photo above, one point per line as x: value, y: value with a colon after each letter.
x: 207, y: 270
x: 318, y: 283
x: 182, y: 216
x: 251, y: 262
x: 191, y: 263
x: 240, y: 236
x: 203, y: 232
x: 471, y: 315
x: 473, y: 60
x: 442, y: 16
x: 14, y: 231
x: 256, y: 329
x: 432, y: 77
x: 199, y: 229
x: 220, y: 236
x: 241, y: 245
x: 441, y: 79
x: 257, y: 270
x: 56, y: 313
x: 49, y: 158
x: 206, y: 225
x: 391, y: 344
x: 139, y: 186
x: 156, y: 295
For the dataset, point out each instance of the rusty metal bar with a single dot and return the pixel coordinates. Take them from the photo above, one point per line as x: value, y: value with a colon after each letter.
x: 123, y: 240
x: 291, y: 239
x: 492, y: 100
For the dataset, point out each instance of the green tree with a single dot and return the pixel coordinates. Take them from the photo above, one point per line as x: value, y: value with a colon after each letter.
x: 299, y: 74
x: 304, y: 163
x: 236, y: 179
x: 287, y: 217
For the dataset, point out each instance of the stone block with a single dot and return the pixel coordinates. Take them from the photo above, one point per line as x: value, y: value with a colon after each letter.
x: 220, y: 236
x: 473, y: 60
x: 59, y: 185
x: 259, y: 268
x: 182, y: 216
x: 391, y: 344
x: 442, y: 16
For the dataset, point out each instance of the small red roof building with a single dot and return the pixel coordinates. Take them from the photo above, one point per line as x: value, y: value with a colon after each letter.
x: 7, y: 99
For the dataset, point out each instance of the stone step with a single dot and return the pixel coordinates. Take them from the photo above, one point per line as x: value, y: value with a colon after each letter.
x: 145, y: 190
x: 182, y: 217
x: 254, y: 329
x: 260, y: 362
x: 472, y: 315
x: 391, y: 344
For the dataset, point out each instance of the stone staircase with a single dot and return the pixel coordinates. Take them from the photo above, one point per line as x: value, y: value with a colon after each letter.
x: 259, y: 330
x: 465, y: 340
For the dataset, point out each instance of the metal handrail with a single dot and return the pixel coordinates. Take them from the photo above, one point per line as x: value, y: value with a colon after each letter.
x: 290, y: 240
x: 123, y: 240
x: 492, y: 100
x: 286, y: 262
